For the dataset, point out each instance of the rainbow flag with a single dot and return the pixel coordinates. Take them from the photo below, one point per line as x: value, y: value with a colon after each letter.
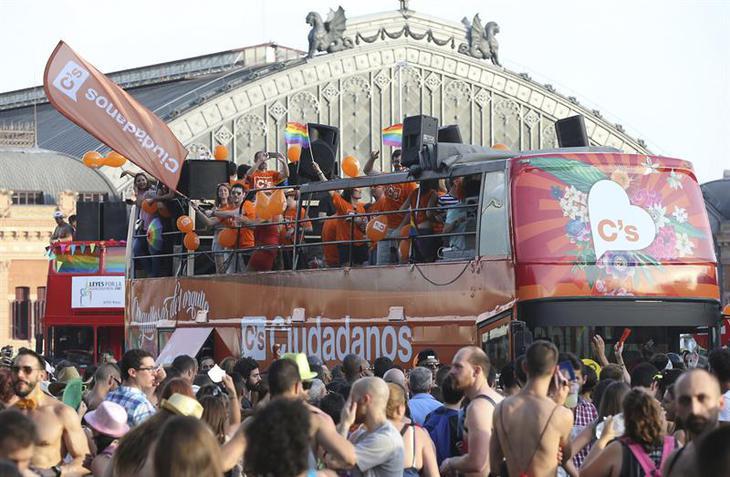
x: 296, y: 133
x: 393, y: 135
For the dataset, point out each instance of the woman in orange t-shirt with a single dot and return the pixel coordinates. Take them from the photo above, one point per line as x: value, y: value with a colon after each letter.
x: 222, y: 203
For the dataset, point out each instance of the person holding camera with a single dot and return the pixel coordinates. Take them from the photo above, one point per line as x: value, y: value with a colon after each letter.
x: 261, y: 177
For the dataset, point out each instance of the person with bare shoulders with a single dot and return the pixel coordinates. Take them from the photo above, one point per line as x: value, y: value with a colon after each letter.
x: 107, y: 378
x: 470, y: 368
x: 58, y: 425
x: 531, y: 428
x: 285, y: 382
x: 698, y: 405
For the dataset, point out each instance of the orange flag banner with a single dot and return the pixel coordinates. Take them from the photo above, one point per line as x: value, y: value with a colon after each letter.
x: 107, y: 112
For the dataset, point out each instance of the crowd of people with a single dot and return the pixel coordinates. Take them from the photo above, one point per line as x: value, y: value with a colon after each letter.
x: 546, y: 413
x: 331, y: 233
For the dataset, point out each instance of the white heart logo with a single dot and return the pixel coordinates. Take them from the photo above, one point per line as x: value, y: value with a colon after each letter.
x: 616, y: 225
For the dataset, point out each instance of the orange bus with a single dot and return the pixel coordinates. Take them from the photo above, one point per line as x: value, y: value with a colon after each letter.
x: 84, y: 316
x: 560, y: 244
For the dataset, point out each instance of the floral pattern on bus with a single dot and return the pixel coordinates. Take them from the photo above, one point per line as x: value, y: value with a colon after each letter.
x: 665, y: 189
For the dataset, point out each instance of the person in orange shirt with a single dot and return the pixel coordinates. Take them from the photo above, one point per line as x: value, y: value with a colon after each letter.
x: 241, y: 213
x: 261, y: 177
x: 395, y: 197
x: 425, y: 221
x: 289, y: 228
x: 348, y: 229
x: 329, y: 234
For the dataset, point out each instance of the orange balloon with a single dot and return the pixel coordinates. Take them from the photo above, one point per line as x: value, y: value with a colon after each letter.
x: 220, y: 153
x: 351, y: 166
x: 162, y: 210
x: 377, y: 228
x: 294, y: 152
x: 262, y: 206
x: 227, y: 238
x: 501, y: 147
x: 149, y: 206
x: 191, y: 241
x: 114, y: 159
x: 92, y: 159
x: 185, y: 224
x: 277, y: 203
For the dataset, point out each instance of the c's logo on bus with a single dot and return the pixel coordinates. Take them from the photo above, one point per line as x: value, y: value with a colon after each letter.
x: 616, y: 225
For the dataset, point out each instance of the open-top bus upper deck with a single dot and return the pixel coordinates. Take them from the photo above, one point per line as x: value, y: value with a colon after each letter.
x: 554, y: 233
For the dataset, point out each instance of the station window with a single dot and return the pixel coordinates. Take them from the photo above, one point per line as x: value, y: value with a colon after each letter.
x: 28, y: 197
x: 21, y: 314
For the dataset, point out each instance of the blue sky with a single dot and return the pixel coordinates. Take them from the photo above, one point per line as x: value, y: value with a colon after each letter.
x: 660, y: 68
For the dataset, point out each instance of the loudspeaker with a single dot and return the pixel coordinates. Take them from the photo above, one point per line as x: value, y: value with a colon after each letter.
x: 199, y: 178
x: 88, y: 220
x: 114, y: 221
x: 418, y: 132
x: 571, y: 132
x: 322, y: 152
x: 450, y: 133
x: 326, y: 133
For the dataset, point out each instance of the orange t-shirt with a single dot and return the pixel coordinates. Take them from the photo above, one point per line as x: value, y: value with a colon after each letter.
x: 329, y: 234
x: 245, y: 236
x: 376, y: 206
x: 289, y: 214
x: 265, y: 179
x: 344, y: 227
x: 227, y: 221
x: 394, y: 197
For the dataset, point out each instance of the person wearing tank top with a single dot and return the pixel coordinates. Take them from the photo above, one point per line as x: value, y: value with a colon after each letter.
x: 470, y: 368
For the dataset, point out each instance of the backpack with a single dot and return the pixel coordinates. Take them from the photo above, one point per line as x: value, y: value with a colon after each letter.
x: 442, y: 425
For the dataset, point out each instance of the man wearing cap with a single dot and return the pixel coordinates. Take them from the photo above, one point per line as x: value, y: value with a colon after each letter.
x: 428, y: 359
x: 63, y: 231
x: 58, y: 426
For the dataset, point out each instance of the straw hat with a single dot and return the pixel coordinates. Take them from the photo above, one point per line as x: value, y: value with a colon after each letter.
x: 182, y: 406
x: 67, y: 375
x: 109, y: 419
x: 300, y: 359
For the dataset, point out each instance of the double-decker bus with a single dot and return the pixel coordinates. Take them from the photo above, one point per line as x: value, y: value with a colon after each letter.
x: 84, y: 316
x: 561, y: 244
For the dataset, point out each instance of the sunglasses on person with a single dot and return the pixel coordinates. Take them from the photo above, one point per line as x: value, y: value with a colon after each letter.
x: 25, y: 369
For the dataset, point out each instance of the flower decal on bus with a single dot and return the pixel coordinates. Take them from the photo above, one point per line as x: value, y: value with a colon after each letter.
x: 623, y: 218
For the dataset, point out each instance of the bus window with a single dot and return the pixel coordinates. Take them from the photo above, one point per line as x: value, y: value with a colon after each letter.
x: 115, y: 260
x: 74, y: 343
x: 494, y: 225
x: 460, y: 218
x: 77, y: 261
x: 496, y: 344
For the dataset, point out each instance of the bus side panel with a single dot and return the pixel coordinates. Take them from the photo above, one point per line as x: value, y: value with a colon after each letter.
x: 440, y: 309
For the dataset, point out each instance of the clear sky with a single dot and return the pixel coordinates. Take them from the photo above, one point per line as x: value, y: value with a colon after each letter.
x: 659, y: 67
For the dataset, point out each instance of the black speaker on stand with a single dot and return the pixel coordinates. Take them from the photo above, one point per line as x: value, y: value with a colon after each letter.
x: 419, y: 132
x: 199, y: 178
x: 571, y: 132
x: 324, y: 142
x: 88, y: 220
x: 114, y: 221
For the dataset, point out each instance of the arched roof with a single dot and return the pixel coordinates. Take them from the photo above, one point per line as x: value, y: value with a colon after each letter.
x: 49, y: 171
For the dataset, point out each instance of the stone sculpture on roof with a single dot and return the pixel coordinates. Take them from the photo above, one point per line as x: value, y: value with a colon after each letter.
x: 482, y: 40
x: 328, y: 35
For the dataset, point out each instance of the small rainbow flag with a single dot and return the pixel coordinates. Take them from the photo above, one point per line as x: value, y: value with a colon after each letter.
x: 296, y: 133
x: 393, y: 135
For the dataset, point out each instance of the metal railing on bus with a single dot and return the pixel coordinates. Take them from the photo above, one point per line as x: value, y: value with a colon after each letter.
x: 300, y: 241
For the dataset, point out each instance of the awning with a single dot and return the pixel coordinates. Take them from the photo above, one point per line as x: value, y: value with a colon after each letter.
x: 183, y: 341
